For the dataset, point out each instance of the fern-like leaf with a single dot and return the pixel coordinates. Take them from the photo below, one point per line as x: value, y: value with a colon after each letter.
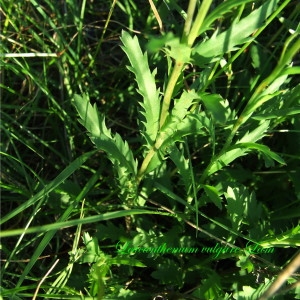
x: 179, y: 112
x: 146, y: 87
x: 89, y: 117
x: 116, y: 149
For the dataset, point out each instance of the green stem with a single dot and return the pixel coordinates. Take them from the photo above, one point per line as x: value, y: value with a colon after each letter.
x: 149, y: 156
x: 189, y: 35
x: 169, y: 92
x: 198, y: 21
x: 145, y: 164
x: 188, y: 21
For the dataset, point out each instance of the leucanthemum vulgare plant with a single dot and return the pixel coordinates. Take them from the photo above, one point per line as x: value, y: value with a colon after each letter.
x: 169, y: 114
x: 209, y: 159
x: 173, y: 114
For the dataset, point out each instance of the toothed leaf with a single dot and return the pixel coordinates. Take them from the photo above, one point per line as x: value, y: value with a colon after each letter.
x: 192, y: 124
x: 146, y: 87
x: 176, y: 126
x: 116, y: 149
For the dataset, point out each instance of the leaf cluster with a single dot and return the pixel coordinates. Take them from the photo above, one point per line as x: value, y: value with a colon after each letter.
x: 192, y: 188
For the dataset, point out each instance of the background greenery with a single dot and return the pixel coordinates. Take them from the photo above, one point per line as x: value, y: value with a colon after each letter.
x: 206, y: 187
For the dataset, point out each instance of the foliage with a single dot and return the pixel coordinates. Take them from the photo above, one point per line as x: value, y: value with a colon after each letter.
x: 176, y: 180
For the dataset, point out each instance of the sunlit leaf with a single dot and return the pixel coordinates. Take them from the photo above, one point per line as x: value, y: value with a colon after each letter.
x: 236, y: 35
x: 147, y: 87
x: 116, y: 149
x: 236, y: 204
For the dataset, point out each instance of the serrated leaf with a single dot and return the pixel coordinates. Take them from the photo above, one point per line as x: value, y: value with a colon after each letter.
x: 146, y: 84
x: 251, y: 107
x: 237, y: 34
x: 176, y: 117
x: 92, y: 252
x: 116, y: 149
x: 171, y: 131
x: 90, y: 119
x: 236, y: 203
x: 179, y: 112
x: 192, y: 124
x: 256, y: 134
x: 182, y: 105
x: 121, y: 156
x: 286, y: 104
x: 236, y: 200
x: 290, y: 238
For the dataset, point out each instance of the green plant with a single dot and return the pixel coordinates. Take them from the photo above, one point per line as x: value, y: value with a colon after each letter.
x: 196, y: 169
x: 163, y: 124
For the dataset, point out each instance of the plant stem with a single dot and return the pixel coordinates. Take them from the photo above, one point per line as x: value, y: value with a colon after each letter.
x: 198, y: 22
x: 169, y: 92
x: 149, y: 156
x: 189, y: 35
x: 188, y: 21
